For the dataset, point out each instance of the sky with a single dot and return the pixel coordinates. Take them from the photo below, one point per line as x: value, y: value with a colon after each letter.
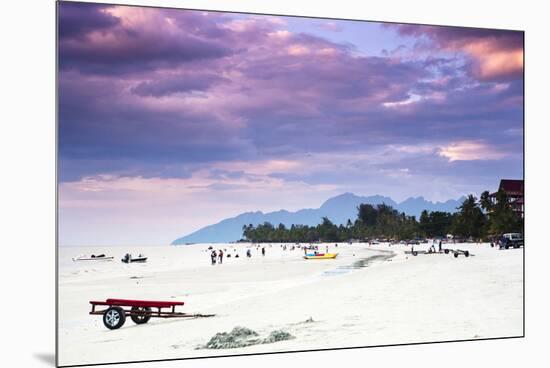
x: 171, y: 120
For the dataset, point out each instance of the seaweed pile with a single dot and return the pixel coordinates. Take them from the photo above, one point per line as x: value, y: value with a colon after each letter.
x: 241, y: 337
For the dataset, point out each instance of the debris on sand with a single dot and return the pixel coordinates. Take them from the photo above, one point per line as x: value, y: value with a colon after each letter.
x: 277, y: 335
x: 238, y: 337
x: 305, y: 322
x: 241, y: 337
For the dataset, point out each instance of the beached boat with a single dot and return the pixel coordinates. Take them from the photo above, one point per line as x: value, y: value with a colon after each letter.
x: 129, y: 259
x: 93, y: 257
x: 321, y: 256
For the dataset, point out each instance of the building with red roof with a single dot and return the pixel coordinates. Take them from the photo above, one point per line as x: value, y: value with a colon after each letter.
x: 514, y: 192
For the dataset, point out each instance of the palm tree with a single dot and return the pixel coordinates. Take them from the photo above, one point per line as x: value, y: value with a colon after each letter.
x: 470, y: 220
x: 485, y: 201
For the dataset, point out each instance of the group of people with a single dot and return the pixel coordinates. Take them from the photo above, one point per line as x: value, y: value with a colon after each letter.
x: 439, y: 246
x: 432, y: 247
x: 315, y: 249
x: 216, y: 257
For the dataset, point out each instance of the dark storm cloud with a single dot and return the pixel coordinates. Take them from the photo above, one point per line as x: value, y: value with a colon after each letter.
x: 76, y: 20
x: 92, y: 40
x: 134, y: 53
x: 179, y: 83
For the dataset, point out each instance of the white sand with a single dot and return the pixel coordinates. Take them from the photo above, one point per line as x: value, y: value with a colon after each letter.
x: 403, y: 300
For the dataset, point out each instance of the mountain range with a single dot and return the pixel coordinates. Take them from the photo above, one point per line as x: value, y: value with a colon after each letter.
x: 338, y: 209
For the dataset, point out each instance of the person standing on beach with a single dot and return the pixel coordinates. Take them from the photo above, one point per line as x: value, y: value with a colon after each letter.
x: 263, y: 251
x: 213, y: 257
x: 220, y: 256
x: 248, y: 253
x: 439, y: 245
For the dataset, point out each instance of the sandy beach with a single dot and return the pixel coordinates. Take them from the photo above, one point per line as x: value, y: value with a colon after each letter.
x: 368, y: 295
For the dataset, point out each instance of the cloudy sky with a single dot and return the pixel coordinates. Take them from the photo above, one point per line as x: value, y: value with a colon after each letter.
x: 170, y: 120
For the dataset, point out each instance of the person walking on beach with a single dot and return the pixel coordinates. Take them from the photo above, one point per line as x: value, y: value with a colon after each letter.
x: 263, y: 251
x: 439, y: 245
x: 248, y: 253
x: 432, y: 248
x: 213, y: 257
x: 220, y: 256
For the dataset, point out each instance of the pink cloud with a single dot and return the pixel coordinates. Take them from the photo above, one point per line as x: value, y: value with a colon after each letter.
x: 330, y: 26
x: 470, y: 151
x: 495, y: 54
x: 495, y: 63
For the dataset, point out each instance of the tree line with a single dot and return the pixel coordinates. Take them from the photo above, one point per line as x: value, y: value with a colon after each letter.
x: 475, y: 219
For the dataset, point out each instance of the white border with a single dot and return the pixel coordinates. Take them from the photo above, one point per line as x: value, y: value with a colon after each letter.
x: 27, y: 146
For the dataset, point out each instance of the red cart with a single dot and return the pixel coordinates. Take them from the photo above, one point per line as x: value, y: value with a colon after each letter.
x: 140, y: 311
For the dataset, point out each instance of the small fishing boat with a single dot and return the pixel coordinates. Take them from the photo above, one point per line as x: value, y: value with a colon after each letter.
x: 93, y: 257
x: 320, y: 255
x: 129, y: 259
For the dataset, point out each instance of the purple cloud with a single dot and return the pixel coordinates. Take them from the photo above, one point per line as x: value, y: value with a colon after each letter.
x: 161, y: 93
x: 105, y: 44
x: 76, y: 21
x: 177, y: 83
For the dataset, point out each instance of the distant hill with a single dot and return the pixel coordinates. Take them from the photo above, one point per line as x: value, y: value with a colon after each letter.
x: 338, y: 209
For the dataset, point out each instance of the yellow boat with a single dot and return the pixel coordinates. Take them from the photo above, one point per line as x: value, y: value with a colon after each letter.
x: 321, y: 256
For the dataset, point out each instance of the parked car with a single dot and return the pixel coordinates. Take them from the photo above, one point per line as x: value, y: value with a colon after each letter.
x: 508, y: 240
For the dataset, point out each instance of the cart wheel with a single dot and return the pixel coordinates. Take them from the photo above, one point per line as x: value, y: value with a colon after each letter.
x: 446, y: 251
x: 456, y: 254
x: 415, y: 253
x: 506, y: 246
x: 114, y: 318
x: 467, y: 253
x: 141, y: 318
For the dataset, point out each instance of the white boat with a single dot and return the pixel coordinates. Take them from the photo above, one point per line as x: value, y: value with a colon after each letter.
x: 93, y: 257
